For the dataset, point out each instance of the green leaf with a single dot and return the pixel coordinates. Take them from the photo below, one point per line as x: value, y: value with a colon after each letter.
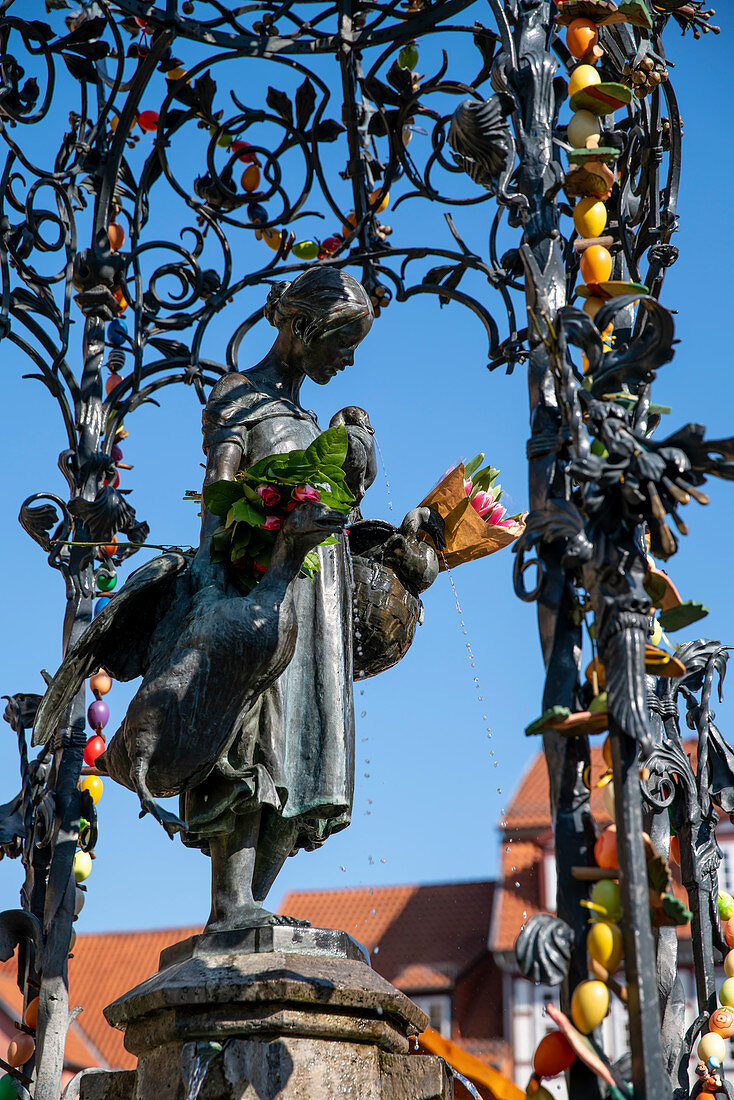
x: 676, y: 618
x: 311, y: 564
x: 484, y: 479
x: 329, y: 448
x: 470, y: 467
x: 658, y: 874
x: 220, y: 496
x: 244, y: 512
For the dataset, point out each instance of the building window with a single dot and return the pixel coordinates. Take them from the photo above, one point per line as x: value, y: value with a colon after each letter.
x: 550, y: 882
x: 438, y: 1010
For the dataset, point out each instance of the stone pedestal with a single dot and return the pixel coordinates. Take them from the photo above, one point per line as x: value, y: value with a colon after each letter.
x: 269, y: 1014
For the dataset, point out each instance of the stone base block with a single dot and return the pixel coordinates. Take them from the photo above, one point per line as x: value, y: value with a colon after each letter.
x: 285, y: 1014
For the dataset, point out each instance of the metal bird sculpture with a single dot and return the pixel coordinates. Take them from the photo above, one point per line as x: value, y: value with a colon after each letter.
x: 205, y: 653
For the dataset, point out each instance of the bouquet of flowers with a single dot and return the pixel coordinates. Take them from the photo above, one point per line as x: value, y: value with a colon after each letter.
x: 255, y: 505
x: 468, y: 500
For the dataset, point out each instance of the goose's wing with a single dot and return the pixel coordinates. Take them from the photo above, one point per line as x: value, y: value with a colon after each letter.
x: 116, y: 640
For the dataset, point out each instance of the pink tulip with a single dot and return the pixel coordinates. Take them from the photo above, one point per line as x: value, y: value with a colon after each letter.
x: 496, y: 515
x: 468, y: 486
x: 482, y: 502
x: 306, y: 492
x: 268, y: 495
x: 272, y: 523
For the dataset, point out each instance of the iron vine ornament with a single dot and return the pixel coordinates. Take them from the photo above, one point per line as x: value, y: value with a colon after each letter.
x: 79, y: 239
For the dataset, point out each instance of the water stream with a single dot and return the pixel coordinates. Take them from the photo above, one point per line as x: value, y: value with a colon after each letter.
x: 466, y: 1083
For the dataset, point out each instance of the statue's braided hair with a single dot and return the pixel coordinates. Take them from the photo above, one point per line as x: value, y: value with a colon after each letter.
x: 323, y: 298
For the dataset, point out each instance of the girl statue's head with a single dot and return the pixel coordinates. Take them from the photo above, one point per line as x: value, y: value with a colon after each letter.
x: 321, y: 317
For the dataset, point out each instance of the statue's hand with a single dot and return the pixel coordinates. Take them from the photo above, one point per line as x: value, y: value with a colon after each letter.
x: 360, y: 465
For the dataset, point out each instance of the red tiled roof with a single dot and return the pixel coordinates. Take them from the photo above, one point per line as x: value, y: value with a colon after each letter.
x: 530, y: 808
x: 104, y: 967
x: 443, y: 927
x: 78, y: 1052
x: 417, y: 979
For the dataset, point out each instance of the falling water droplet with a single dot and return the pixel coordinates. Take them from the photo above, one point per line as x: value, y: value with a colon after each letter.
x: 376, y: 950
x: 384, y: 470
x: 363, y: 714
x: 342, y: 868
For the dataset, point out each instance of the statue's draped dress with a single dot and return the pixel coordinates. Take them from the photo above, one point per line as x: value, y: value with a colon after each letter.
x: 295, y: 749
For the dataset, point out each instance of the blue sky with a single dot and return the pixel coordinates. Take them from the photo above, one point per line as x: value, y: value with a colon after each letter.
x: 431, y: 782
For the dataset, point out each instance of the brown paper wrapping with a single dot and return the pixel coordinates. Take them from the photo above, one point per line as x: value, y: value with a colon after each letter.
x: 468, y: 537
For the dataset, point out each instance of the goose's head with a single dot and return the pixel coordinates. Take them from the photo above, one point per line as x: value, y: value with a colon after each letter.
x: 310, y: 523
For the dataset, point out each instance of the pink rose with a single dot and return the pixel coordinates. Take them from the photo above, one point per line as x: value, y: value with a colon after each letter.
x: 291, y: 505
x: 272, y: 523
x: 268, y: 495
x: 306, y: 492
x: 482, y: 502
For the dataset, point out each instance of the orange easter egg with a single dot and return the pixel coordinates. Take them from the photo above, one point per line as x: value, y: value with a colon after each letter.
x: 596, y: 264
x: 581, y: 36
x: 20, y: 1049
x: 722, y: 1022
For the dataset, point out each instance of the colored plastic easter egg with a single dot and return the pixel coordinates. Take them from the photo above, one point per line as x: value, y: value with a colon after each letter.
x: 605, y: 849
x: 101, y: 682
x: 728, y: 929
x: 729, y: 965
x: 20, y: 1049
x: 592, y: 306
x: 101, y: 604
x: 30, y: 1016
x: 116, y: 235
x: 98, y: 714
x: 553, y: 1055
x: 604, y: 944
x: 656, y: 635
x: 148, y: 121
x: 383, y: 201
x: 605, y: 894
x: 250, y: 178
x: 725, y: 905
x: 590, y: 217
x: 116, y: 332
x: 272, y: 238
x: 79, y: 898
x: 8, y: 1088
x: 596, y: 264
x: 607, y: 797
x: 726, y: 993
x: 722, y: 1022
x: 583, y: 76
x: 589, y: 1005
x: 110, y: 550
x: 539, y: 1093
x: 94, y: 747
x: 408, y: 57
x: 606, y: 751
x: 95, y: 786
x: 256, y: 213
x: 598, y: 704
x: 82, y: 865
x: 112, y: 383
x: 106, y: 581
x: 712, y: 1046
x: 582, y: 126
x: 331, y: 244
x: 581, y: 36
x: 305, y: 250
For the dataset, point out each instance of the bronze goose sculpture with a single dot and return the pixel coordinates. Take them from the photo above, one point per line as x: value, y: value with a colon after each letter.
x: 205, y: 655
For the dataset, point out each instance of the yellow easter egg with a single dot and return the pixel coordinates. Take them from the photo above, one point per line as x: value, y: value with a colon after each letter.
x: 582, y: 126
x: 604, y: 944
x: 729, y: 965
x: 582, y: 77
x: 589, y: 1005
x: 82, y: 866
x: 590, y: 217
x: 726, y: 993
x: 94, y: 785
x: 712, y: 1046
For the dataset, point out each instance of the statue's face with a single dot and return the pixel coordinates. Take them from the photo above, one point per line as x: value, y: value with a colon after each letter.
x: 327, y: 355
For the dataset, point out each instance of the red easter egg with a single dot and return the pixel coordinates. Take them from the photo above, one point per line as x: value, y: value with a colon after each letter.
x: 112, y: 382
x: 148, y: 121
x: 553, y: 1055
x: 116, y: 236
x: 94, y: 747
